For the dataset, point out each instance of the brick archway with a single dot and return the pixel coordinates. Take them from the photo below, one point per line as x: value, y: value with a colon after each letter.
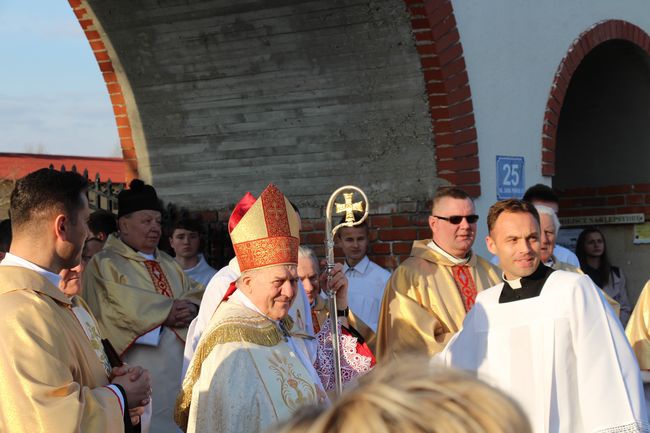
x: 113, y: 85
x: 437, y: 41
x: 601, y: 32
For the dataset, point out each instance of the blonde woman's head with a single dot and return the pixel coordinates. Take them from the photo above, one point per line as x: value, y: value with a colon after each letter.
x: 411, y: 396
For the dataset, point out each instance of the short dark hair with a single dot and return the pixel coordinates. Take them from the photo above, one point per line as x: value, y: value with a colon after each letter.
x: 5, y: 235
x: 43, y: 192
x: 188, y: 224
x: 449, y: 191
x: 102, y: 221
x: 541, y: 192
x: 512, y: 206
x: 357, y: 217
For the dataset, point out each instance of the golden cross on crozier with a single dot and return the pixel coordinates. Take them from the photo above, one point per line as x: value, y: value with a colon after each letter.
x: 348, y: 207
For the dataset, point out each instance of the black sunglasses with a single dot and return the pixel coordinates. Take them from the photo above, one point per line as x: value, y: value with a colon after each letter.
x: 457, y: 219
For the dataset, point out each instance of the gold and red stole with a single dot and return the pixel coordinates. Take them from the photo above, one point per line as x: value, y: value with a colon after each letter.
x: 466, y: 285
x: 158, y: 278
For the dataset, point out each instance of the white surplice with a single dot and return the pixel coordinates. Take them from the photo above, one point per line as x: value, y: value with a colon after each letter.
x: 202, y: 272
x: 563, y: 356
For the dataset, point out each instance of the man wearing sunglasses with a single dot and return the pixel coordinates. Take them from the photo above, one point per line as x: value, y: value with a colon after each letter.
x: 428, y: 295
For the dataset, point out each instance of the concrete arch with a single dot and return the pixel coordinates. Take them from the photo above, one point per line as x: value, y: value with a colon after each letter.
x: 441, y: 56
x: 449, y: 94
x: 600, y: 32
x: 127, y: 118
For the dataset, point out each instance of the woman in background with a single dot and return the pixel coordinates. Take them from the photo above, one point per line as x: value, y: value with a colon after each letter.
x: 591, y: 250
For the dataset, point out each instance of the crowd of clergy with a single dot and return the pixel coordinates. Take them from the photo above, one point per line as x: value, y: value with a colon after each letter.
x: 103, y: 332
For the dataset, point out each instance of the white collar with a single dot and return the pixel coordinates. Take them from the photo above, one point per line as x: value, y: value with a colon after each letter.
x: 360, y: 267
x: 455, y: 260
x: 147, y: 256
x: 233, y: 264
x: 515, y: 284
x: 14, y: 260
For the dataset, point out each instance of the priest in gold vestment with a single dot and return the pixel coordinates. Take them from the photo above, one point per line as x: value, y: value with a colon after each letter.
x: 251, y: 369
x: 638, y: 329
x: 54, y: 375
x: 637, y: 332
x: 428, y: 295
x: 142, y: 299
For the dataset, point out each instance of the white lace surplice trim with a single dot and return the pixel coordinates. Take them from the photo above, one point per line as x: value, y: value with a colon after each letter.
x: 353, y: 364
x: 635, y: 427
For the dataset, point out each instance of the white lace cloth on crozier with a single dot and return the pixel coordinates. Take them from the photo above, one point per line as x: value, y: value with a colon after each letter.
x: 353, y: 364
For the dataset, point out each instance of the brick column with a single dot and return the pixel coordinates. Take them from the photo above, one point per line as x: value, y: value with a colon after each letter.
x: 96, y: 40
x: 437, y: 41
x: 581, y: 46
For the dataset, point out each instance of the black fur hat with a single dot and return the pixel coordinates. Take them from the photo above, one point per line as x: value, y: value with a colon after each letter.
x: 139, y: 196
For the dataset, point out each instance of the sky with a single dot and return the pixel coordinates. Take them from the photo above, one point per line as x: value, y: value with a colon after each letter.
x: 52, y: 95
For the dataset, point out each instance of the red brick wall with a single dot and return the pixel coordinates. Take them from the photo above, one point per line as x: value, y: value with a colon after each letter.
x: 439, y: 46
x: 391, y: 236
x: 97, y: 45
x: 606, y: 200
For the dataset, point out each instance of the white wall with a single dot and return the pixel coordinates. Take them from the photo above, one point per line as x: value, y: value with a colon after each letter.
x: 512, y: 50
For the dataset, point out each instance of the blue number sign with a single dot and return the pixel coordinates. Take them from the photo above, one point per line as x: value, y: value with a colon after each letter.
x: 510, y: 177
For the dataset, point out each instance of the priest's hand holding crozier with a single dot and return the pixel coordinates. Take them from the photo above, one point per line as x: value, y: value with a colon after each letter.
x: 339, y: 284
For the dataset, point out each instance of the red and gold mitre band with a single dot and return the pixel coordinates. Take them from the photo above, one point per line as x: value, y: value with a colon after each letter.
x: 267, y: 252
x: 268, y: 232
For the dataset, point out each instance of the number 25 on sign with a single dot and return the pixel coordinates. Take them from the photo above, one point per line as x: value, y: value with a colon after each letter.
x: 510, y: 177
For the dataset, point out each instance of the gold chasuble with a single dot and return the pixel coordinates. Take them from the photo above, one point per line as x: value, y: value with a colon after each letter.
x: 131, y: 296
x: 426, y: 299
x: 51, y: 378
x: 638, y: 328
x: 244, y: 376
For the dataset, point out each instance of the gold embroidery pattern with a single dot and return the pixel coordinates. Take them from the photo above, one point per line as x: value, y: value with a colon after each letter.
x: 256, y: 330
x: 96, y: 343
x: 296, y: 391
x: 92, y: 333
x: 267, y: 252
x: 158, y: 278
x: 275, y: 212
